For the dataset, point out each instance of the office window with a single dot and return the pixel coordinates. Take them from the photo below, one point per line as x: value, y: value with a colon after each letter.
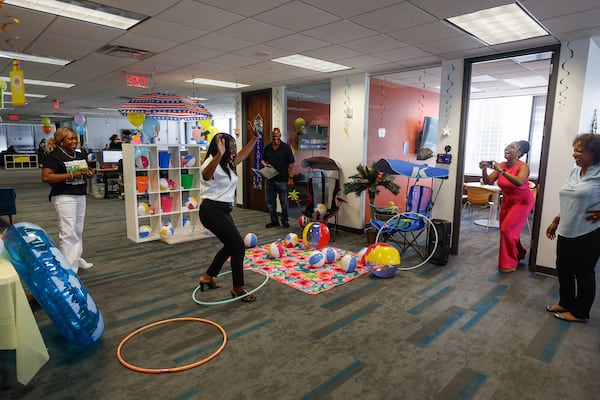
x: 494, y: 123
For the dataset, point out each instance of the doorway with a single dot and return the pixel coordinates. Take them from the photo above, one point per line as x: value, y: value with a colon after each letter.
x: 507, y: 97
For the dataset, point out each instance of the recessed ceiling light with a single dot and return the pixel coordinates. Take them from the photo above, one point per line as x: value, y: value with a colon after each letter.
x: 35, y: 82
x: 83, y: 10
x: 35, y: 96
x: 199, y: 98
x: 314, y: 64
x: 212, y: 82
x: 502, y: 24
x: 29, y: 57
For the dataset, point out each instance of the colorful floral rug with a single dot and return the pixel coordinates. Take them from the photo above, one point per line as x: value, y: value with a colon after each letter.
x: 293, y: 269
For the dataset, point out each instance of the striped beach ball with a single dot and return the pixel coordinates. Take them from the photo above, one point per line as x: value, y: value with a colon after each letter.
x: 315, y: 235
x: 250, y: 240
x: 316, y: 259
x: 330, y: 255
x: 145, y: 231
x: 349, y: 263
x: 303, y: 220
x: 276, y: 250
x: 291, y: 240
x: 361, y: 255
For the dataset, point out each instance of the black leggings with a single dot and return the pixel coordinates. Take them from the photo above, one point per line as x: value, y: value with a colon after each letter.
x: 576, y: 260
x: 216, y: 217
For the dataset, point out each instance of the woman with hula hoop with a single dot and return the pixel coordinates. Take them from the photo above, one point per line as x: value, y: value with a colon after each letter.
x: 218, y: 183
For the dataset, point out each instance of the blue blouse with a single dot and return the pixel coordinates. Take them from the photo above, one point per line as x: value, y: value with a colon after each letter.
x: 578, y: 195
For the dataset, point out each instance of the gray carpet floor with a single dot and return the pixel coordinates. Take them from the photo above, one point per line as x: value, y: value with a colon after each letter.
x: 460, y: 331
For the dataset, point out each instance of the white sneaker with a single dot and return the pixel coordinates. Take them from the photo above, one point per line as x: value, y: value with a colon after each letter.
x: 84, y: 264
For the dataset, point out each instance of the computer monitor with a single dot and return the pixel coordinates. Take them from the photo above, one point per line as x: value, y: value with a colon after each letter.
x: 111, y: 157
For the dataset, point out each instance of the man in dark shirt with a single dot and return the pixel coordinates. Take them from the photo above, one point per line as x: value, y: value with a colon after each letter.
x: 278, y: 155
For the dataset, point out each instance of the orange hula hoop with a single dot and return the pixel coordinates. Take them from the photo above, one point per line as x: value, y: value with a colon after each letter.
x: 175, y: 369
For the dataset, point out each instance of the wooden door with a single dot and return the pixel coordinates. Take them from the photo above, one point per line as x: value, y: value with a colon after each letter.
x: 256, y: 110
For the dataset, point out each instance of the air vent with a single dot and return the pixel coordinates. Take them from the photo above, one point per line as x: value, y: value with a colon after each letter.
x: 124, y: 52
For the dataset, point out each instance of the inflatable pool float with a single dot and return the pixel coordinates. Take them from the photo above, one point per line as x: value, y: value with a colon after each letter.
x: 47, y: 273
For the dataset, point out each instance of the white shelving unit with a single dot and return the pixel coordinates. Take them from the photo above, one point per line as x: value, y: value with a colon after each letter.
x: 150, y: 181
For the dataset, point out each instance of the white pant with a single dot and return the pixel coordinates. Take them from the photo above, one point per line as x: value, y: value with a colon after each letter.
x: 70, y: 210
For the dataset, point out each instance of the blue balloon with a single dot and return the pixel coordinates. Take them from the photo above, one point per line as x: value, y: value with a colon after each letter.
x: 49, y: 277
x: 150, y: 126
x: 79, y: 129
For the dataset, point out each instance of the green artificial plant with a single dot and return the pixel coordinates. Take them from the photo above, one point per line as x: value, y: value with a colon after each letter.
x: 370, y: 180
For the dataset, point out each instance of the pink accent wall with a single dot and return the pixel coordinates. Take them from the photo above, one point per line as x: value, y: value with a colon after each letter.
x: 401, y: 111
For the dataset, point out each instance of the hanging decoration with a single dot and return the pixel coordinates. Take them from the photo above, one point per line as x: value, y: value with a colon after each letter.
x: 562, y: 103
x: 164, y: 106
x: 46, y: 127
x: 347, y: 106
x: 3, y: 87
x: 17, y: 85
x: 421, y: 98
x: 595, y: 122
x: 382, y: 131
x: 446, y: 129
x: 257, y: 128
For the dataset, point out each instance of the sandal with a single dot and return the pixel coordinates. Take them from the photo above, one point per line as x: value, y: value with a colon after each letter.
x: 211, y: 284
x: 567, y: 316
x: 244, y: 296
x: 556, y: 309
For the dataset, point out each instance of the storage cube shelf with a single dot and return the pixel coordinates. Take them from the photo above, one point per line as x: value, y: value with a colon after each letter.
x: 162, y: 185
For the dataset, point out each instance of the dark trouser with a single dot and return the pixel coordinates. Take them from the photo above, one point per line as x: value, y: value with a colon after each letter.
x: 216, y: 217
x: 576, y: 260
x: 273, y: 189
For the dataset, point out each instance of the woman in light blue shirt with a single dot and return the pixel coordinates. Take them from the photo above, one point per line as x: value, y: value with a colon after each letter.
x: 578, y: 243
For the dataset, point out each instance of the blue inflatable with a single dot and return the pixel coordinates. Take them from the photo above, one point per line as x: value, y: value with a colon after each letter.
x: 49, y: 277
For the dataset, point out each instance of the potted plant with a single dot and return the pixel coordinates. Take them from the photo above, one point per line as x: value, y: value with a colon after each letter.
x: 370, y: 180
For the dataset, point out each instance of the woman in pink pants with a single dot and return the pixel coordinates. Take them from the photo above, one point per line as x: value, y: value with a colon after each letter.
x: 517, y: 202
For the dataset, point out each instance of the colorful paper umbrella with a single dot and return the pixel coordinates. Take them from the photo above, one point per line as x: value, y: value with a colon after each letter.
x: 166, y: 107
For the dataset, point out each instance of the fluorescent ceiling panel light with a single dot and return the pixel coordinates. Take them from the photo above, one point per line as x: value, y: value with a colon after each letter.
x: 28, y: 57
x: 41, y: 83
x: 199, y: 98
x: 83, y: 10
x: 475, y: 90
x: 503, y: 24
x: 314, y: 64
x: 532, y: 81
x: 212, y: 82
x: 482, y: 78
x: 107, y: 109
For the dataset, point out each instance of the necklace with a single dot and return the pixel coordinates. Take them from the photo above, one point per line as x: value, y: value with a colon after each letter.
x: 67, y: 154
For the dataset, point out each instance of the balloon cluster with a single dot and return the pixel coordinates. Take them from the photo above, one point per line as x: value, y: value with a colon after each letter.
x: 79, y: 125
x: 149, y: 126
x: 46, y: 127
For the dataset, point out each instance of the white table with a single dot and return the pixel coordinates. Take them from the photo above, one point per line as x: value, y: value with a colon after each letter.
x: 18, y: 328
x: 494, y: 190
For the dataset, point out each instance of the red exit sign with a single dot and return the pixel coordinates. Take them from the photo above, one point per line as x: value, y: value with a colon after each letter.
x: 137, y: 81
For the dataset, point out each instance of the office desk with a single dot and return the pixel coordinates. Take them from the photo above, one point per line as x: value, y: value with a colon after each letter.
x: 107, y: 173
x: 18, y: 328
x: 494, y: 190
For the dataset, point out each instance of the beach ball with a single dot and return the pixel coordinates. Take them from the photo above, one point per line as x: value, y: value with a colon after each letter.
x: 276, y: 250
x: 186, y: 223
x: 330, y: 255
x: 291, y: 240
x: 303, y: 221
x: 167, y: 229
x: 316, y: 259
x: 361, y: 255
x: 163, y: 183
x: 189, y: 160
x: 143, y: 209
x: 250, y: 240
x: 349, y: 263
x: 142, y: 162
x: 191, y: 203
x: 382, y: 255
x: 315, y: 235
x: 145, y: 231
x: 91, y: 157
x: 319, y: 211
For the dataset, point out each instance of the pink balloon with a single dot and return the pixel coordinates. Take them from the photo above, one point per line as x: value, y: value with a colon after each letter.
x: 197, y: 133
x: 79, y: 119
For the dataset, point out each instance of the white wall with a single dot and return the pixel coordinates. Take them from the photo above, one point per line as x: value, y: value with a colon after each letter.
x: 575, y: 98
x: 348, y: 138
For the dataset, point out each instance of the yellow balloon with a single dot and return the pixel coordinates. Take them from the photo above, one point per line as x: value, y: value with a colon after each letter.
x: 3, y: 85
x: 136, y: 119
x: 205, y: 123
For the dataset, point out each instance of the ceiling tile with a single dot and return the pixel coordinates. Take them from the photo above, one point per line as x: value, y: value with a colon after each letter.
x: 253, y: 30
x: 403, y: 15
x: 340, y: 32
x: 374, y: 44
x: 297, y: 43
x: 167, y: 30
x: 194, y: 14
x: 296, y: 17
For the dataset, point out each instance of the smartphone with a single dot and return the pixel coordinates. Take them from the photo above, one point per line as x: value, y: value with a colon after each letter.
x: 490, y: 164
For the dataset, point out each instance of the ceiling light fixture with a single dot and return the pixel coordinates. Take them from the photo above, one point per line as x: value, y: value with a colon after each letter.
x: 36, y: 96
x: 212, y: 82
x: 83, y: 10
x: 35, y: 82
x: 503, y: 24
x: 314, y: 64
x: 28, y: 57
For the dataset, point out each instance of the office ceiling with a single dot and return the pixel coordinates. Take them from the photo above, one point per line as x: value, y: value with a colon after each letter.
x: 234, y: 40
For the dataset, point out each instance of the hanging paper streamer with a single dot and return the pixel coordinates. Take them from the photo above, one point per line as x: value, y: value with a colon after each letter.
x: 421, y: 100
x: 17, y: 86
x: 449, y: 95
x: 257, y: 127
x: 562, y: 103
x: 347, y: 107
x: 595, y: 122
x: 3, y: 87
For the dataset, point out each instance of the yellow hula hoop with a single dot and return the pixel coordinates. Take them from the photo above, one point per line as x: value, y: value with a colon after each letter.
x: 174, y: 369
